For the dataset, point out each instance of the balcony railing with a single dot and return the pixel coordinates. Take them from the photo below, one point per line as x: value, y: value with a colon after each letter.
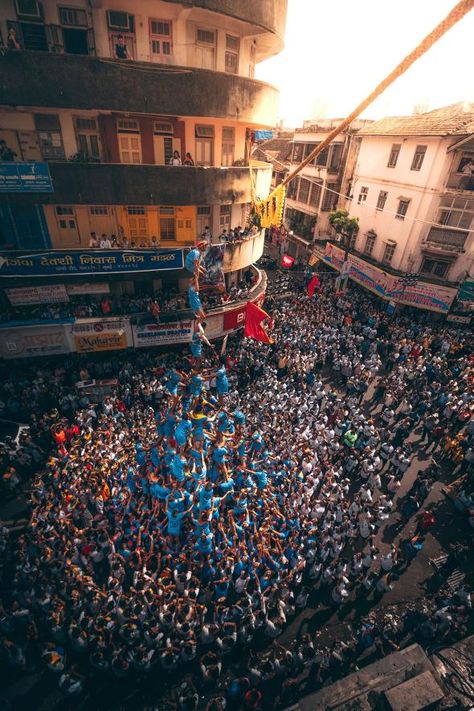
x: 458, y: 181
x: 450, y: 240
x: 45, y: 79
x: 78, y: 183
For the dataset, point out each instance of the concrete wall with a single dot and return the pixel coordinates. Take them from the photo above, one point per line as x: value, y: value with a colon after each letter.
x: 102, y: 184
x: 42, y: 79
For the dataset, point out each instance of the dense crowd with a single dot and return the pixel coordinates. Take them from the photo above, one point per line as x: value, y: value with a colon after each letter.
x: 159, y: 304
x: 212, y: 498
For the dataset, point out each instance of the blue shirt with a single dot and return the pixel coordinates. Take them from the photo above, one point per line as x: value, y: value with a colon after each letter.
x: 191, y: 257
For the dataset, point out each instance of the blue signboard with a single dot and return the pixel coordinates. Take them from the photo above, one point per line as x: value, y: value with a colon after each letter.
x: 93, y: 262
x: 25, y: 178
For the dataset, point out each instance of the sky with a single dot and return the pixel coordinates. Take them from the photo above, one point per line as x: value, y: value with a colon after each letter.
x: 337, y: 51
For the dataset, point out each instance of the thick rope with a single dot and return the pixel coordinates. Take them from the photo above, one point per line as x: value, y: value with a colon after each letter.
x: 456, y: 14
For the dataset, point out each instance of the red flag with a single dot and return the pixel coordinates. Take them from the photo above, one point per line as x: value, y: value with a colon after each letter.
x: 254, y: 316
x: 287, y: 261
x: 313, y: 284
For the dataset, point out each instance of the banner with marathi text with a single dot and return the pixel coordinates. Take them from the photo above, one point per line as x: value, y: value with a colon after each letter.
x: 422, y: 294
x: 58, y: 263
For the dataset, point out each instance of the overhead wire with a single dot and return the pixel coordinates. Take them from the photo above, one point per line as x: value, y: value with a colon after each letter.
x: 316, y: 181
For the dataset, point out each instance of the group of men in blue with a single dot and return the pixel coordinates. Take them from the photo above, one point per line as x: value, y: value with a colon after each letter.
x: 204, y: 466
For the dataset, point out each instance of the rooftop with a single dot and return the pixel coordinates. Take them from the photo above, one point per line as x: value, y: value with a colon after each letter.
x: 276, y: 150
x: 454, y: 120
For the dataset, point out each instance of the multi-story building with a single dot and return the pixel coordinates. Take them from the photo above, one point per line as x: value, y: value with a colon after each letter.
x: 277, y: 151
x: 112, y: 95
x: 315, y: 191
x: 413, y: 192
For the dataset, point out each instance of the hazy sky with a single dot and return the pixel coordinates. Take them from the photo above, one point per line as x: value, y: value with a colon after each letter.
x: 336, y: 52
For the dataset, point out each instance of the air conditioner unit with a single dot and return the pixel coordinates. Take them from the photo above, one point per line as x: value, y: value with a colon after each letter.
x: 29, y: 8
x: 120, y: 21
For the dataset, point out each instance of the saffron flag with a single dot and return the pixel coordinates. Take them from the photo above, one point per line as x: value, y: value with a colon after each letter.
x: 287, y: 261
x: 254, y: 316
x: 313, y: 284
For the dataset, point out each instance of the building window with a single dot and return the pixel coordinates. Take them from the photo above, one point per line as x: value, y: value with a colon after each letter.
x: 382, y: 199
x: 418, y: 158
x: 228, y: 145
x: 87, y: 138
x: 402, y: 209
x: 99, y: 211
x: 205, y: 48
x: 435, y: 267
x: 329, y: 198
x: 456, y: 212
x: 121, y: 34
x: 160, y: 38
x: 167, y: 229
x: 394, y: 153
x: 364, y: 191
x: 369, y: 243
x: 298, y: 149
x: 66, y: 218
x: 224, y: 216
x: 129, y: 141
x: 308, y: 147
x: 49, y: 135
x: 388, y: 253
x: 322, y: 159
x: 292, y: 189
x: 335, y: 158
x: 204, y: 145
x: 72, y: 17
x: 303, y: 192
x: 315, y: 196
x: 232, y: 46
x: 136, y: 210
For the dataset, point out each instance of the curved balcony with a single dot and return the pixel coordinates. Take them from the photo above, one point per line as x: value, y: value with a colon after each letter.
x: 242, y: 254
x: 43, y: 79
x: 270, y: 15
x: 123, y: 184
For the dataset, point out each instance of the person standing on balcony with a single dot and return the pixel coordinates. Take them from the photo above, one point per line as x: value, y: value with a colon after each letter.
x: 12, y: 41
x: 175, y: 159
x: 188, y: 160
x: 121, y: 51
x: 6, y: 153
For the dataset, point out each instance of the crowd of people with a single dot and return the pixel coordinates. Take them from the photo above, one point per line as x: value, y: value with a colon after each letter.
x: 233, y: 235
x: 159, y: 304
x: 213, y: 497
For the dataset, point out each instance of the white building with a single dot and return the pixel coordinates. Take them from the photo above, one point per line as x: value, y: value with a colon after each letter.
x: 413, y: 192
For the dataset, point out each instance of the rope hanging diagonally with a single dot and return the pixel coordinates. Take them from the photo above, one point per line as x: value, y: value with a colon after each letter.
x: 453, y: 17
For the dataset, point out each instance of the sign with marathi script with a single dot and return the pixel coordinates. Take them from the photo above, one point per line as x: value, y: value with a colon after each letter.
x: 50, y: 294
x: 25, y: 178
x: 421, y: 294
x: 58, y: 263
x: 159, y: 334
